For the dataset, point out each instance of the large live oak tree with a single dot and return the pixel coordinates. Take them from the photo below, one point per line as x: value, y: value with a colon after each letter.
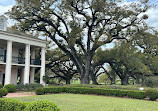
x: 80, y: 27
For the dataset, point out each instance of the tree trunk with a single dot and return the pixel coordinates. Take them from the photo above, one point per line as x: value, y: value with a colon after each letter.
x: 137, y: 80
x: 94, y: 79
x: 124, y: 81
x: 67, y: 81
x: 85, y: 78
x: 143, y: 80
x: 112, y: 81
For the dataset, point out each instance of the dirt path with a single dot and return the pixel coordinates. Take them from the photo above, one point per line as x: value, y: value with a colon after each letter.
x: 20, y: 94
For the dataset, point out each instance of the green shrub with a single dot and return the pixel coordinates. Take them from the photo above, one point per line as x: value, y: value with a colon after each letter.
x: 151, y: 81
x: 39, y: 91
x: 11, y: 105
x: 3, y: 92
x: 136, y: 94
x: 42, y: 105
x: 28, y: 86
x: 1, y: 86
x: 97, y: 91
x: 85, y: 90
x: 10, y: 87
x: 54, y: 89
x: 152, y: 94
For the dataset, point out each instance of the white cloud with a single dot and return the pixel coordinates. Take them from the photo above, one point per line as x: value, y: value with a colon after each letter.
x: 153, y: 17
x: 4, y: 9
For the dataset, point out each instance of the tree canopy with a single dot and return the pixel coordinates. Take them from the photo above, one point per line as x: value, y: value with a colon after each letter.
x: 80, y: 27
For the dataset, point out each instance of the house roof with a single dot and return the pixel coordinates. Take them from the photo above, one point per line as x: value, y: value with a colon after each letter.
x: 18, y: 33
x: 12, y: 31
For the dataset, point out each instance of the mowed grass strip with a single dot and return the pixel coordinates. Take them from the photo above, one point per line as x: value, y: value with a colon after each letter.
x: 78, y: 102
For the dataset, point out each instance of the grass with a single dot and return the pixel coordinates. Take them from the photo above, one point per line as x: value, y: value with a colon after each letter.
x: 77, y: 102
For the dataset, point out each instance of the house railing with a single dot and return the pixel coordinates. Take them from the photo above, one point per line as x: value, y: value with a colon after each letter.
x: 18, y: 60
x: 35, y: 62
x: 2, y: 58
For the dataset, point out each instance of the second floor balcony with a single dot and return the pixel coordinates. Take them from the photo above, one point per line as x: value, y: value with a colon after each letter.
x: 20, y: 60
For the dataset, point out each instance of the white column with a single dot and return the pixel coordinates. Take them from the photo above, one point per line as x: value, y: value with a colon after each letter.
x: 27, y: 64
x: 32, y: 69
x: 32, y: 74
x: 8, y: 63
x: 42, y: 65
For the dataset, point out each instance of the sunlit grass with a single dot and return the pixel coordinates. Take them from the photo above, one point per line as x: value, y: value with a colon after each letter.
x: 77, y: 102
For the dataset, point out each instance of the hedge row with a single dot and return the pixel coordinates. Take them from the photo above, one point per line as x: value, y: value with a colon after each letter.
x: 98, y: 91
x: 28, y: 86
x: 16, y: 105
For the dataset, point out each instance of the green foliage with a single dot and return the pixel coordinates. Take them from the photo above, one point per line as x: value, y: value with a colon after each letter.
x: 16, y: 105
x: 39, y: 91
x: 42, y: 105
x: 11, y: 105
x: 151, y: 81
x: 136, y: 94
x: 103, y: 78
x: 10, y: 88
x: 3, y: 92
x: 97, y: 91
x: 28, y: 86
x: 1, y: 86
x: 152, y: 94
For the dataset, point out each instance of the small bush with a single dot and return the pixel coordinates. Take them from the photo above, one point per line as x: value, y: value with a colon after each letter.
x: 152, y: 94
x: 42, y: 105
x: 10, y: 87
x: 3, y: 92
x: 1, y: 86
x: 28, y: 86
x: 136, y: 94
x: 11, y: 105
x: 39, y: 91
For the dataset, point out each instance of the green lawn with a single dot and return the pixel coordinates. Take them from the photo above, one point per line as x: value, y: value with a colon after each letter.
x: 77, y: 102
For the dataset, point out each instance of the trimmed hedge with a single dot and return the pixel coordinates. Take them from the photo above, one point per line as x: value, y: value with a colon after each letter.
x: 97, y: 91
x: 10, y: 87
x: 137, y: 94
x: 28, y: 86
x: 39, y: 91
x: 42, y: 105
x: 11, y: 105
x: 3, y: 92
x: 152, y: 95
x: 7, y: 104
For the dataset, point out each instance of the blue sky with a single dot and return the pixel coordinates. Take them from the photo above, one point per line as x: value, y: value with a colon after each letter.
x: 6, y: 5
x: 6, y: 2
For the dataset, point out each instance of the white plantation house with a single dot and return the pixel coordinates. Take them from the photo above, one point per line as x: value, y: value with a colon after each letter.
x: 17, y: 56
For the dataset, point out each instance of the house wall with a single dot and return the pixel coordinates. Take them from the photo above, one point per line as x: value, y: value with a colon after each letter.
x: 15, y: 51
x: 4, y: 46
x: 14, y: 75
x: 2, y: 69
